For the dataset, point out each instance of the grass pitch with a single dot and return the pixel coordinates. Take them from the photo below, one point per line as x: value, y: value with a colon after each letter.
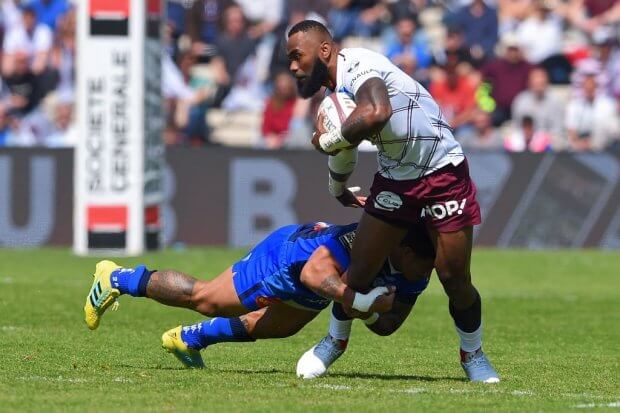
x: 552, y: 329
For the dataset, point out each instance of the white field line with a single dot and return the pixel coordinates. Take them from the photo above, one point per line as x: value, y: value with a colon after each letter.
x: 338, y: 387
x: 62, y: 379
x: 597, y: 405
x: 57, y: 379
x: 490, y: 390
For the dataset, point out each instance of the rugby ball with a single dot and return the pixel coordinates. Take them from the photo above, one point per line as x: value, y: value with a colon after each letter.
x: 335, y: 109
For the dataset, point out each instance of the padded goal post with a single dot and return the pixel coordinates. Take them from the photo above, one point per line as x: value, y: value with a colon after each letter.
x: 119, y: 155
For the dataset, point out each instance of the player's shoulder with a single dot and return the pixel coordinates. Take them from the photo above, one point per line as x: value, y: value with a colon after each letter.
x: 352, y: 57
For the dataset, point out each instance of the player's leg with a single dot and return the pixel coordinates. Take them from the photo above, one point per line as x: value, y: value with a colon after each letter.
x: 453, y: 270
x: 275, y: 321
x: 415, y: 260
x: 170, y: 287
x: 375, y: 238
x: 416, y: 268
x: 216, y: 297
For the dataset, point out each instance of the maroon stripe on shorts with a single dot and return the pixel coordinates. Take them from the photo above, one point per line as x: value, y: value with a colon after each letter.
x: 341, y: 114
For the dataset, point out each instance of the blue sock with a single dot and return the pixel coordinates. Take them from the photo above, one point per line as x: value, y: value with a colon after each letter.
x: 215, y: 330
x: 131, y: 281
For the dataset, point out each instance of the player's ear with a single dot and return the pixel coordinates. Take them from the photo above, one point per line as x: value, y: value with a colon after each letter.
x: 325, y: 50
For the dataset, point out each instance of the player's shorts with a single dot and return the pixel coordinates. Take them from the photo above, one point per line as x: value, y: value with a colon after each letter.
x: 263, y: 278
x: 444, y: 200
x: 257, y: 289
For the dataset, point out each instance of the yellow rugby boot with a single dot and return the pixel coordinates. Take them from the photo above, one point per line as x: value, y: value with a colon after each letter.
x: 101, y: 295
x: 171, y: 341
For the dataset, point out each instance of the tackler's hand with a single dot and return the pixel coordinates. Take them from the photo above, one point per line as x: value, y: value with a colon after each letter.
x: 350, y: 199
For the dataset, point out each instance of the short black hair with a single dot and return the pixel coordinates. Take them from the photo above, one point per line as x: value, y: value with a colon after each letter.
x: 308, y: 25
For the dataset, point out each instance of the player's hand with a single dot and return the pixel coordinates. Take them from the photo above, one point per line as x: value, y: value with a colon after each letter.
x: 317, y: 145
x: 383, y: 303
x: 350, y: 199
x: 319, y: 129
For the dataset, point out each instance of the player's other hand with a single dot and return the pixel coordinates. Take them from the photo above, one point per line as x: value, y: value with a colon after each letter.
x: 383, y: 303
x: 350, y: 199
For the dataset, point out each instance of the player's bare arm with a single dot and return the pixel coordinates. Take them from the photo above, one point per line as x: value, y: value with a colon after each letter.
x: 372, y: 113
x: 322, y: 275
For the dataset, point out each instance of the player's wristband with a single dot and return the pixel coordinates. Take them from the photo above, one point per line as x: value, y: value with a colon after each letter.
x: 362, y: 302
x: 336, y: 188
x: 372, y: 319
x: 333, y: 140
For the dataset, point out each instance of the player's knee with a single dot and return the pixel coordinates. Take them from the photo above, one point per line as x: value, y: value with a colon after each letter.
x: 202, y: 301
x: 454, y: 282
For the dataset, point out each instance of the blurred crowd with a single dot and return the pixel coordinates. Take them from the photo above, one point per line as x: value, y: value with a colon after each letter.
x: 519, y: 75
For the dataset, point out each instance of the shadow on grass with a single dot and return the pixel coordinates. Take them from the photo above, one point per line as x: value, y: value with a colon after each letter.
x: 387, y: 377
x: 363, y: 376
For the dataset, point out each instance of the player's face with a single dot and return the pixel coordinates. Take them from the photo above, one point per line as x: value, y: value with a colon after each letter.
x: 305, y: 55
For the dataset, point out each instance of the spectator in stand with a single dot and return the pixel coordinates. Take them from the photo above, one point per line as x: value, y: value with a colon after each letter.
x: 30, y: 38
x: 479, y: 25
x: 23, y: 85
x: 355, y: 18
x: 527, y: 138
x: 265, y: 16
x: 456, y: 95
x: 234, y: 46
x: 4, y: 126
x: 482, y: 135
x: 176, y: 11
x: 63, y: 132
x: 186, y: 103
x: 511, y: 12
x: 589, y: 15
x: 62, y: 59
x: 508, y: 76
x: 279, y: 111
x: 319, y: 7
x: 48, y: 11
x: 592, y: 120
x: 10, y: 15
x: 404, y: 8
x: 540, y: 35
x: 540, y: 104
x: 410, y: 50
x: 204, y: 19
x: 454, y: 50
x: 607, y: 52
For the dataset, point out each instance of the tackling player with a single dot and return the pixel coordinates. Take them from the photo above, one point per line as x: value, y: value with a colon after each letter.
x: 422, y: 177
x: 275, y: 290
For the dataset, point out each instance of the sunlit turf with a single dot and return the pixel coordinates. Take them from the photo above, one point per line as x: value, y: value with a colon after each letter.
x: 552, y: 329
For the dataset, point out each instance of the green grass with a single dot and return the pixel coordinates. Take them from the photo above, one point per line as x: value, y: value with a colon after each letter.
x: 552, y: 329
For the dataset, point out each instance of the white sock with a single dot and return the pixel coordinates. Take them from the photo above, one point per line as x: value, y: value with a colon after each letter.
x: 470, y: 342
x: 339, y: 329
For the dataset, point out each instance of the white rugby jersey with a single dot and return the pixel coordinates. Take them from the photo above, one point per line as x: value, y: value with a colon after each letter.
x: 417, y: 140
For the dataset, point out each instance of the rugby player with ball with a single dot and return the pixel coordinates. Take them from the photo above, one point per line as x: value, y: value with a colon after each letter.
x: 422, y: 174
